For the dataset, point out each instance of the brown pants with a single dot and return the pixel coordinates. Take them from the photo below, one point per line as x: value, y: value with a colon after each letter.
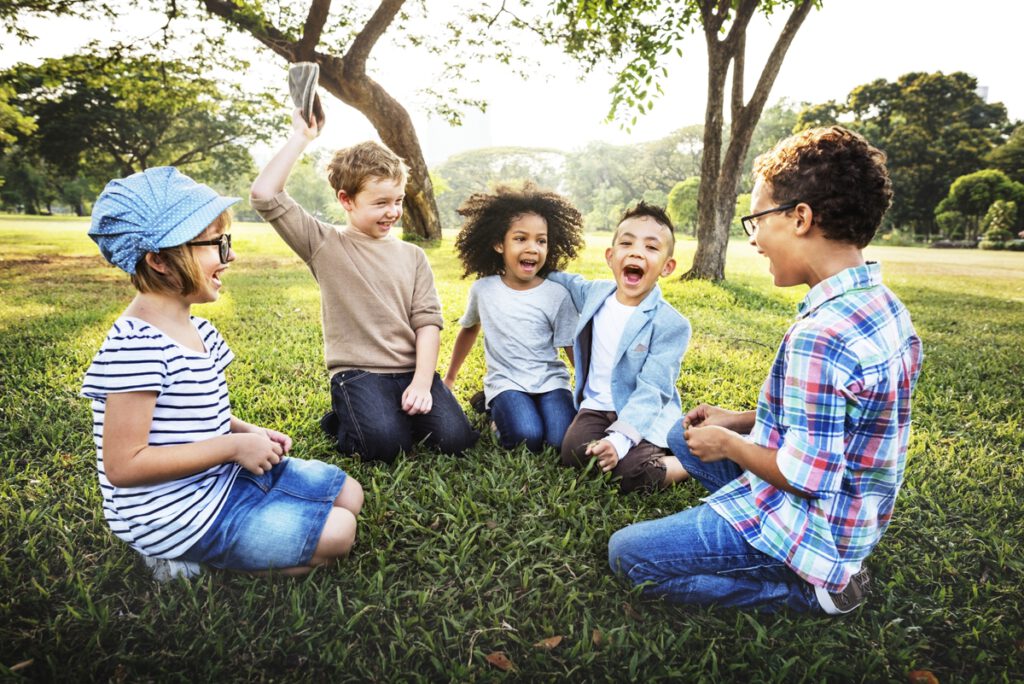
x: 641, y: 467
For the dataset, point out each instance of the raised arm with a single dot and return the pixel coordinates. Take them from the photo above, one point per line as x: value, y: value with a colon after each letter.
x: 275, y: 174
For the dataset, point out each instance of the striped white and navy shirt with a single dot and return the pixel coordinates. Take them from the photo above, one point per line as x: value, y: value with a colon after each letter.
x: 165, y: 519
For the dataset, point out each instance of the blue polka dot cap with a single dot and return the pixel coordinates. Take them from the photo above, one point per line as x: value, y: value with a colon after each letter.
x: 149, y: 211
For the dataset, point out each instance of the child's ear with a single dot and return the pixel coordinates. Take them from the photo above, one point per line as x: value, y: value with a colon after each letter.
x: 345, y: 200
x: 156, y: 262
x: 608, y: 257
x: 670, y: 266
x: 804, y: 219
x: 499, y: 247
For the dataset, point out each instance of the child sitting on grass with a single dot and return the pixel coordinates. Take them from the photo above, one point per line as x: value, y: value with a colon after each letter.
x: 798, y: 505
x: 510, y: 240
x: 381, y: 314
x: 184, y: 481
x: 629, y: 346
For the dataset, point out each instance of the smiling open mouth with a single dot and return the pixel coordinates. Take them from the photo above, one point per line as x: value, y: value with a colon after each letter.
x: 632, y: 274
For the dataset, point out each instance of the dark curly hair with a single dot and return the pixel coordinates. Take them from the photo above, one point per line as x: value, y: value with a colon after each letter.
x: 489, y: 215
x: 838, y: 173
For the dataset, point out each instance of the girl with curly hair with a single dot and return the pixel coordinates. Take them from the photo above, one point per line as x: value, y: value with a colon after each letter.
x: 510, y: 240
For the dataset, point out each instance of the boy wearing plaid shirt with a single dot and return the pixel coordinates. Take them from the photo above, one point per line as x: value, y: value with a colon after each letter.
x: 798, y: 504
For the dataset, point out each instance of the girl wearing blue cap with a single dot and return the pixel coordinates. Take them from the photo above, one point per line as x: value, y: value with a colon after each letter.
x: 185, y: 482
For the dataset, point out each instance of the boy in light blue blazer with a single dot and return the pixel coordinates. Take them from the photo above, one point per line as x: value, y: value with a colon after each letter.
x: 629, y: 346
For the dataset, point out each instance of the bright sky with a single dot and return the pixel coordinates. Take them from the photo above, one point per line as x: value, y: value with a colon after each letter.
x: 843, y: 45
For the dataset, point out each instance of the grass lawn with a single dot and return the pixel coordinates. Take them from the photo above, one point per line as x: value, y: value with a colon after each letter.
x: 458, y: 559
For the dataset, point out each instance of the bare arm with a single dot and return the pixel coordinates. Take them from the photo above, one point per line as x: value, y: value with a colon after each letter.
x: 460, y: 350
x: 416, y: 397
x: 275, y: 174
x: 706, y: 415
x: 130, y: 461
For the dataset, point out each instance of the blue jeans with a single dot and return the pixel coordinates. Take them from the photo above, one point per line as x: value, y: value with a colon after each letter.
x: 696, y: 556
x: 536, y: 419
x: 273, y: 520
x: 369, y: 420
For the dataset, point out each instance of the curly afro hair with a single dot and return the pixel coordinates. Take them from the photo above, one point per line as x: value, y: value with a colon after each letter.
x: 489, y: 215
x: 838, y: 173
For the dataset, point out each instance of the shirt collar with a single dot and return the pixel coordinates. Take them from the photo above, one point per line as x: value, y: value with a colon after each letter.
x: 850, y: 279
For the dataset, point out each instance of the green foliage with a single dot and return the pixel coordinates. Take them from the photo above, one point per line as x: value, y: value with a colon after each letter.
x: 1000, y: 218
x: 99, y: 115
x: 457, y: 558
x: 952, y: 224
x: 972, y: 195
x: 1009, y: 157
x: 682, y: 205
x: 933, y: 128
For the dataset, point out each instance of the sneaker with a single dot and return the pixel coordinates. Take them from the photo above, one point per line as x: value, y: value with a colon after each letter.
x: 302, y: 81
x: 841, y: 602
x: 478, y: 402
x: 165, y: 570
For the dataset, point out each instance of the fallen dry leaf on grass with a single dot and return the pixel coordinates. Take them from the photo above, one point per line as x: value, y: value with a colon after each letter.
x: 549, y: 643
x: 631, y: 612
x: 499, y: 660
x: 922, y: 677
x: 597, y: 638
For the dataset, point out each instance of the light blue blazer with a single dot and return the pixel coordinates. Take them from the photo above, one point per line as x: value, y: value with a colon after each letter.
x: 646, y: 363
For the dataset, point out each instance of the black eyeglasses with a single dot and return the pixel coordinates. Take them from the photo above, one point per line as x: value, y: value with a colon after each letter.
x: 223, y: 245
x: 750, y: 222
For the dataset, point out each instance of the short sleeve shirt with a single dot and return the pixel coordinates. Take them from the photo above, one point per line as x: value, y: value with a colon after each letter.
x: 165, y: 519
x: 523, y: 330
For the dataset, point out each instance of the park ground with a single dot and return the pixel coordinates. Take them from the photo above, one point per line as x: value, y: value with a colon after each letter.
x: 498, y: 552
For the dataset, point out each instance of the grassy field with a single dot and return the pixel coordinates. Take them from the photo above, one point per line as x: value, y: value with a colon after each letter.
x: 459, y: 559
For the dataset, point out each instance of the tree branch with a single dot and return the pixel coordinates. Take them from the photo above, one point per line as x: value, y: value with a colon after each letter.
x: 313, y: 29
x: 261, y: 29
x: 359, y: 52
x: 778, y: 54
x: 738, y: 63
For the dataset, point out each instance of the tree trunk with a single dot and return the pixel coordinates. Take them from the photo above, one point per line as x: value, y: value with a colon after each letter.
x: 345, y: 77
x: 720, y: 176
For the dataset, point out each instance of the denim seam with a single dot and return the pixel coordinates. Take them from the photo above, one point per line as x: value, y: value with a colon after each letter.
x: 351, y: 417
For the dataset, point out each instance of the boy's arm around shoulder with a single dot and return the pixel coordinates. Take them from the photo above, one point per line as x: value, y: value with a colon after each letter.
x: 577, y: 286
x: 656, y: 382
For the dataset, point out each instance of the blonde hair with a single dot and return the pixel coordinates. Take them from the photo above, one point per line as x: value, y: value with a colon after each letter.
x: 183, y: 273
x: 351, y: 167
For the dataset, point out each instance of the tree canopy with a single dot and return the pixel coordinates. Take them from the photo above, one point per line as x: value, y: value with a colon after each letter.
x: 933, y: 128
x: 636, y: 36
x: 98, y: 115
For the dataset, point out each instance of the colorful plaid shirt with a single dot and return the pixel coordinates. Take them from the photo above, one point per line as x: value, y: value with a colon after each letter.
x: 836, y: 406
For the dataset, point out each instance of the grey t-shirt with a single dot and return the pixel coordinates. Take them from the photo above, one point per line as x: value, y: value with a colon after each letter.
x: 523, y: 330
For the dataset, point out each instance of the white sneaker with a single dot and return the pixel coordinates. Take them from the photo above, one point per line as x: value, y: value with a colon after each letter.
x: 165, y: 570
x: 841, y: 602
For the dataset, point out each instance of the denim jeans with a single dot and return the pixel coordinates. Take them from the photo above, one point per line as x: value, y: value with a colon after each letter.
x: 369, y: 419
x: 696, y: 556
x: 536, y: 419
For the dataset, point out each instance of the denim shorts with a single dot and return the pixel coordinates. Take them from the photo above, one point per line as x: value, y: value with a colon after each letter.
x: 272, y: 520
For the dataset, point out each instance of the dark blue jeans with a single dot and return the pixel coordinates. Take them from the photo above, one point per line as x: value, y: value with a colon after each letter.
x: 369, y: 419
x: 697, y: 557
x: 536, y: 419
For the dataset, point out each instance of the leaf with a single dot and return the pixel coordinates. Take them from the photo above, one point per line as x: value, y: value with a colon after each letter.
x: 921, y: 677
x: 631, y: 612
x: 22, y: 665
x: 549, y: 643
x: 499, y: 660
x: 597, y: 638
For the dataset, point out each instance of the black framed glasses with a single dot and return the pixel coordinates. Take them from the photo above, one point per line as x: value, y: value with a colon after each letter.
x: 223, y: 243
x: 750, y: 222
